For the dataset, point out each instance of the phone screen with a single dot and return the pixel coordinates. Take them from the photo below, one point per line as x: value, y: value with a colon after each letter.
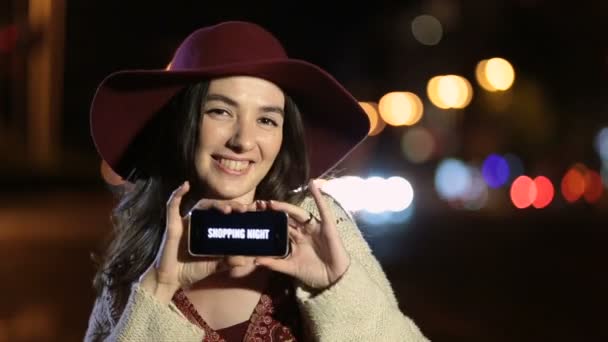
x: 254, y: 233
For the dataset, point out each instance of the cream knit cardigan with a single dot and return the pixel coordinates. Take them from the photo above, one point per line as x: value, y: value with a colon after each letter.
x: 361, y: 306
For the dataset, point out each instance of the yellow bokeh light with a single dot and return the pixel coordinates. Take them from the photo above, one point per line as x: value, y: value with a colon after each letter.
x: 450, y: 91
x: 375, y: 121
x: 480, y: 75
x: 495, y: 74
x: 433, y: 93
x: 417, y: 108
x: 466, y: 90
x: 500, y: 73
x: 400, y: 108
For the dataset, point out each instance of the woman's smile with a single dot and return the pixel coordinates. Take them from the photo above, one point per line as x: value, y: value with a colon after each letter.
x: 232, y: 166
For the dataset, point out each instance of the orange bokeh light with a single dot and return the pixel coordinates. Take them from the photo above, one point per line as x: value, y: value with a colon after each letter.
x: 593, y: 186
x: 375, y: 121
x: 573, y: 184
x: 579, y: 182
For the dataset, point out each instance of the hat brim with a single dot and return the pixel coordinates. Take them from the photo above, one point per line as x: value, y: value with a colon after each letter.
x: 125, y: 101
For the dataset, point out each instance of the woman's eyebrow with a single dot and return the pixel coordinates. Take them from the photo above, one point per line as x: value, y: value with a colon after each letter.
x: 222, y: 98
x: 231, y: 102
x: 273, y: 109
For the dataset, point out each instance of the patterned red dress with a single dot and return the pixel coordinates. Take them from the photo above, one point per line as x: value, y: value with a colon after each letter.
x: 275, y: 318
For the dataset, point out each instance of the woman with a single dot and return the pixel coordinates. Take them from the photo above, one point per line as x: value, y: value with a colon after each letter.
x: 220, y: 129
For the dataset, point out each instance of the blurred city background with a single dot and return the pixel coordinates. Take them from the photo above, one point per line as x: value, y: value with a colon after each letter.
x: 481, y: 188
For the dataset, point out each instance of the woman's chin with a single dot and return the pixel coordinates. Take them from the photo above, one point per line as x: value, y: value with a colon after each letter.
x: 240, y: 266
x: 241, y: 271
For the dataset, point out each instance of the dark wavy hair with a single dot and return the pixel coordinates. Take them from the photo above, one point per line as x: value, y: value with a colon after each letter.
x: 164, y: 155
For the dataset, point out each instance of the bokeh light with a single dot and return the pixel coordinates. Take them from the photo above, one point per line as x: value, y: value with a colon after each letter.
x: 449, y: 91
x: 523, y: 192
x: 432, y: 91
x: 601, y: 143
x: 452, y: 179
x: 427, y: 29
x: 544, y: 192
x: 573, y: 183
x: 495, y: 74
x: 495, y: 171
x: 399, y: 195
x: 593, y: 186
x: 347, y: 191
x: 455, y: 91
x: 374, y: 194
x: 375, y: 121
x: 400, y: 108
x: 417, y: 144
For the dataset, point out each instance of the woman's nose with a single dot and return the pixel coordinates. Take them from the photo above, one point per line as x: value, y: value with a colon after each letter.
x: 243, y: 137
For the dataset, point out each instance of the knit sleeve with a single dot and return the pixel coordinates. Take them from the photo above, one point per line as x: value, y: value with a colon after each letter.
x: 361, y: 306
x: 144, y: 318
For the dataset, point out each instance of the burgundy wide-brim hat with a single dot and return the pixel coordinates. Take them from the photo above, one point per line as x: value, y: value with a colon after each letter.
x: 125, y: 101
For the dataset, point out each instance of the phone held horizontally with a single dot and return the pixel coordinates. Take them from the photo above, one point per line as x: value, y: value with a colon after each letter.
x: 252, y: 233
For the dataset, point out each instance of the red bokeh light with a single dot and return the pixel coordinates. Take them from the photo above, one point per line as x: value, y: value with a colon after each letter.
x: 523, y: 192
x: 545, y: 192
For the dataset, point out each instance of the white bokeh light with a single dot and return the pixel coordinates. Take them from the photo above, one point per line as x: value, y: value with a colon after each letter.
x: 373, y: 195
x: 399, y: 194
x: 347, y: 191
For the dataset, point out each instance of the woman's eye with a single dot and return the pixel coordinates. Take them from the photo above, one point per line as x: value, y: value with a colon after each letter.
x: 217, y: 111
x: 268, y: 121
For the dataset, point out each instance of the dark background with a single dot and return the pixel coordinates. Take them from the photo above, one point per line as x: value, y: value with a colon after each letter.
x: 498, y: 274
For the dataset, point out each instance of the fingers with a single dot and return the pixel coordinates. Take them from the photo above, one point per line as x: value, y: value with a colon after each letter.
x: 295, y: 212
x: 174, y: 218
x: 324, y: 211
x: 295, y: 235
x: 174, y: 229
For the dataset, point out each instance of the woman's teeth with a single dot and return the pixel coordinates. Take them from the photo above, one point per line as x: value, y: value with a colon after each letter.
x: 235, y: 165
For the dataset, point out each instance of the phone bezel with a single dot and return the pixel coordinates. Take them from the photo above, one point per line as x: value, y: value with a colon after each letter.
x: 287, y: 238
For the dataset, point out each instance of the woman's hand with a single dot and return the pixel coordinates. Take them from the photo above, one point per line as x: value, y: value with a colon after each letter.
x: 173, y: 267
x: 318, y: 258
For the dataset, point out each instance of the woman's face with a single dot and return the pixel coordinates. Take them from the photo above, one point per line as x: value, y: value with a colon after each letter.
x: 241, y: 131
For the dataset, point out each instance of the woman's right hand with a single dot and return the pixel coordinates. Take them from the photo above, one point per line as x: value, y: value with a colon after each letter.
x: 173, y: 267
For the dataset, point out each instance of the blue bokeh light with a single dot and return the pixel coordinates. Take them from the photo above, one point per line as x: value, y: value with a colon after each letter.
x: 495, y: 171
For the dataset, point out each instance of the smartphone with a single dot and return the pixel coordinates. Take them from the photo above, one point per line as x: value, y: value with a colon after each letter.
x: 252, y: 233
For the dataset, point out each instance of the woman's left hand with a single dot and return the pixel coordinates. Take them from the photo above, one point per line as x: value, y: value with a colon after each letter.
x: 318, y: 258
